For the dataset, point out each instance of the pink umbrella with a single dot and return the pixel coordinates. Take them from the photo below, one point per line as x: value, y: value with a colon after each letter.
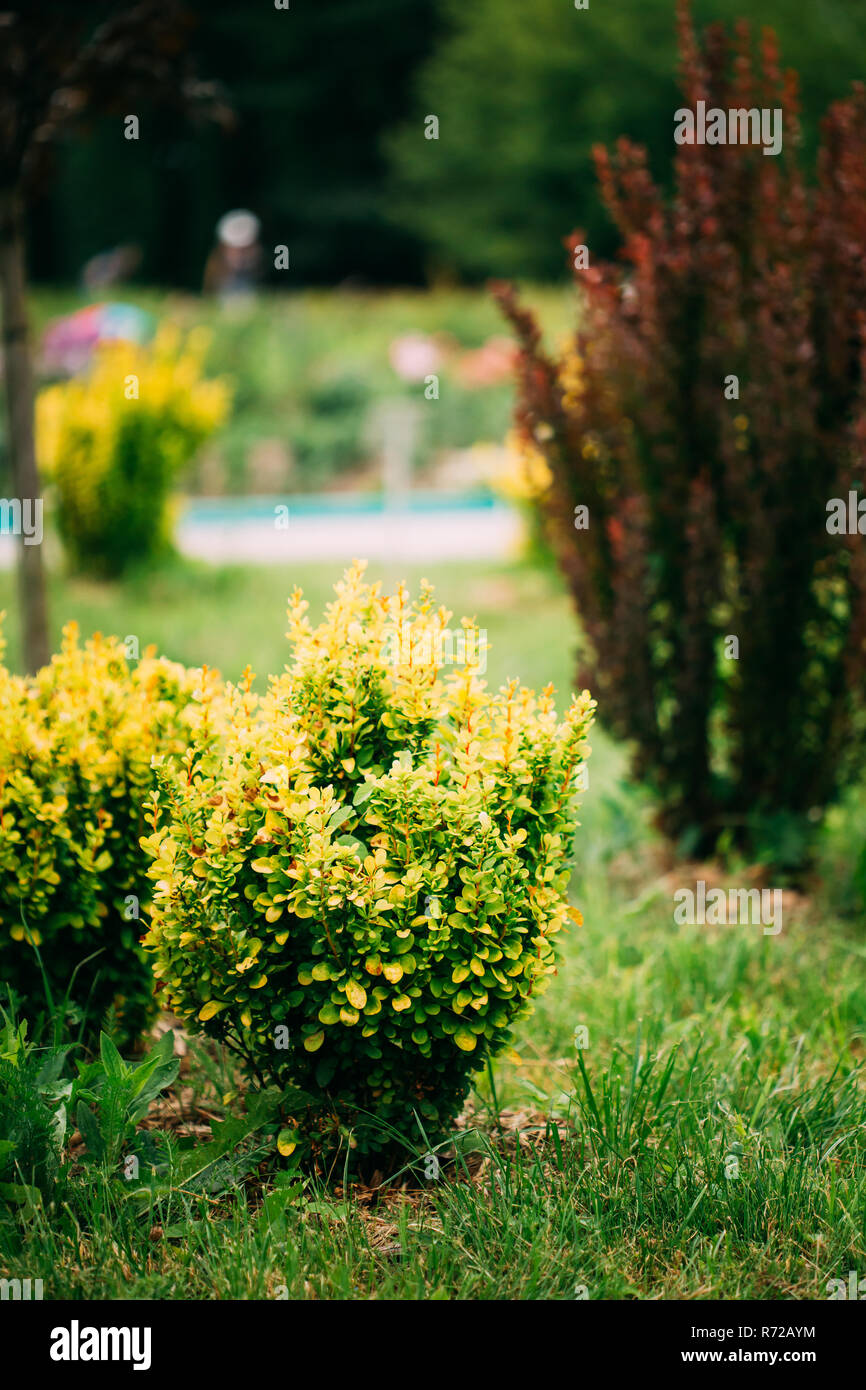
x: 68, y: 343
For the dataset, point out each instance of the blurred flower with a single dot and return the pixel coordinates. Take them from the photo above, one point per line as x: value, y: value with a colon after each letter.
x: 488, y: 365
x: 414, y: 356
x: 517, y: 473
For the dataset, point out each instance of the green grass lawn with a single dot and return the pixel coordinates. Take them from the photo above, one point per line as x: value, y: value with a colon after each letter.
x: 231, y: 617
x: 707, y: 1141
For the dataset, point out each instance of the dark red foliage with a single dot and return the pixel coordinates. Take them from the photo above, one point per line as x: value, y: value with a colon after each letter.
x: 708, y: 515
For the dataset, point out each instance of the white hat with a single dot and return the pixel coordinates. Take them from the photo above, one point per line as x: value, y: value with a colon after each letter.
x: 238, y: 228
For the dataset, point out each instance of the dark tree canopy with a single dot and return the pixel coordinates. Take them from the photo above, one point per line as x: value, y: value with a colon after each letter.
x: 312, y: 88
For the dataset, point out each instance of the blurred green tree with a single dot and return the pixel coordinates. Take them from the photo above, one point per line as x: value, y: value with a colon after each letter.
x: 522, y: 92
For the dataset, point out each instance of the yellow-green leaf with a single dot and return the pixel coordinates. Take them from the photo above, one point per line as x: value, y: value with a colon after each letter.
x: 208, y: 1010
x: 356, y: 994
x: 287, y: 1141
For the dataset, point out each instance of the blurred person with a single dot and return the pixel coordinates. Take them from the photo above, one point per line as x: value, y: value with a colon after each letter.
x: 234, y: 266
x: 111, y: 267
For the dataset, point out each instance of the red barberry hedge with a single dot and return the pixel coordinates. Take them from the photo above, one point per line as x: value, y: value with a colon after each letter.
x: 706, y: 412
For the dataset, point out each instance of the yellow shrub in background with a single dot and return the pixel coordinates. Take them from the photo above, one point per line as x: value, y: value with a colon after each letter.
x: 114, y: 441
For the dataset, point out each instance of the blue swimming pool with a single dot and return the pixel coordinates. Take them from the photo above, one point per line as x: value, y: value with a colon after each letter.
x: 220, y: 511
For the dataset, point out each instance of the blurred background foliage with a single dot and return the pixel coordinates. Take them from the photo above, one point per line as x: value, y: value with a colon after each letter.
x: 391, y: 236
x: 309, y: 370
x: 329, y: 147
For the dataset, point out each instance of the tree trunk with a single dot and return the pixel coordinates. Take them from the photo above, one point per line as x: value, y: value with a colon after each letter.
x: 18, y: 373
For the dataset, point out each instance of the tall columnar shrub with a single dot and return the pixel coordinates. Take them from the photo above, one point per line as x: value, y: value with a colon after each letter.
x: 360, y: 878
x: 76, y: 747
x: 709, y: 407
x: 115, y: 440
